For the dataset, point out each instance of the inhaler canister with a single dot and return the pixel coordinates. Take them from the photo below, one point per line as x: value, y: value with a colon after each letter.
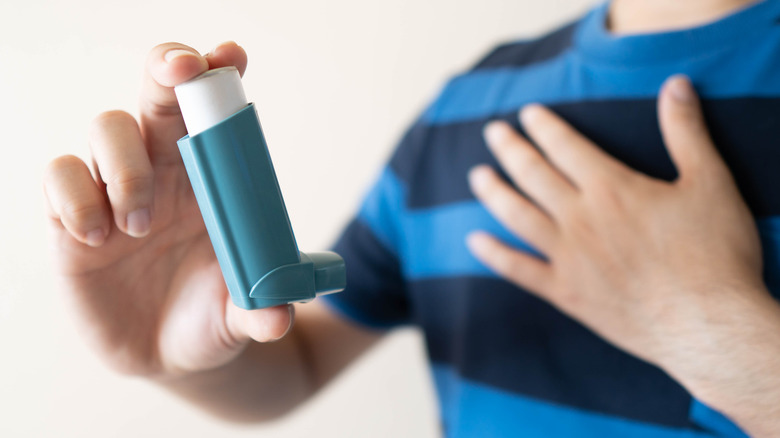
x: 210, y: 98
x: 231, y: 173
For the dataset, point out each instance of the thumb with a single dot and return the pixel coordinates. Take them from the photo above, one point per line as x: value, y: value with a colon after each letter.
x: 261, y: 325
x: 685, y: 132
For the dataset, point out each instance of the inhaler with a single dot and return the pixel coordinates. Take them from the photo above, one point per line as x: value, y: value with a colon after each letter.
x: 231, y: 173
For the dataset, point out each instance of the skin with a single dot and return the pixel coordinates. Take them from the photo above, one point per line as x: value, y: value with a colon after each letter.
x: 642, y: 16
x: 138, y: 268
x: 149, y: 292
x: 656, y: 268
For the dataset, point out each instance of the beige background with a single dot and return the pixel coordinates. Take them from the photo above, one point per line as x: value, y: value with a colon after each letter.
x: 336, y: 82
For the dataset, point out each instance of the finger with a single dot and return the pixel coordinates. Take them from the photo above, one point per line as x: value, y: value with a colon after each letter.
x: 262, y: 325
x: 228, y: 54
x: 685, y: 131
x: 519, y: 267
x: 573, y: 154
x: 123, y: 165
x: 76, y: 201
x: 532, y: 173
x: 514, y: 211
x: 168, y: 65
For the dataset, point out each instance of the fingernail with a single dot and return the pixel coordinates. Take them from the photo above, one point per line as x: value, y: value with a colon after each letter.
x: 291, y: 311
x: 681, y: 89
x: 96, y: 237
x: 138, y: 222
x: 496, y: 132
x: 216, y: 49
x: 172, y: 54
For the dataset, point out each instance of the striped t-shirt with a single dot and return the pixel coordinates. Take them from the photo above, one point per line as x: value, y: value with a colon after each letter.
x: 506, y: 363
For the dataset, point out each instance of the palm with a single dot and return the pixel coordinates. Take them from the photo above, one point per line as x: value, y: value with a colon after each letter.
x: 146, y: 293
x: 156, y: 304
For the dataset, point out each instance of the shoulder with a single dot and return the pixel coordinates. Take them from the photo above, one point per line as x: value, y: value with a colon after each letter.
x: 457, y: 96
x: 484, y: 85
x: 528, y: 52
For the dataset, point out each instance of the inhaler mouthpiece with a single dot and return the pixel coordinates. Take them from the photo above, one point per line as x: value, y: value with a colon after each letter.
x: 210, y: 98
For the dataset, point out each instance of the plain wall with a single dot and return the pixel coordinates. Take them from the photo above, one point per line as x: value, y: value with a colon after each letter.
x: 336, y: 83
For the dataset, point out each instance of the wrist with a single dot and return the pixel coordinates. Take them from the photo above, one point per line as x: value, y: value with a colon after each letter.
x: 726, y: 353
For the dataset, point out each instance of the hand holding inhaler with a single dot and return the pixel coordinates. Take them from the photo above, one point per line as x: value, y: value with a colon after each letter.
x: 235, y: 184
x: 135, y: 261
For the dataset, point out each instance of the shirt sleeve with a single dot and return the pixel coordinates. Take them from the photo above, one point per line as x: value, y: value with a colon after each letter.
x: 372, y: 245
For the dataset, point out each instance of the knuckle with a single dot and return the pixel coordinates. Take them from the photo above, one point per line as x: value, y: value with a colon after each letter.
x: 81, y: 211
x: 568, y: 298
x: 129, y: 360
x: 510, y: 205
x: 529, y: 165
x: 129, y: 181
x: 62, y: 164
x: 515, y: 266
x: 549, y: 131
x: 507, y: 264
x: 501, y: 204
x: 108, y: 119
x: 582, y: 227
x: 609, y: 194
x: 686, y: 114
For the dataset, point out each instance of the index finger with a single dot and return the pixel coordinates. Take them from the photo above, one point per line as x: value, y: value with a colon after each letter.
x: 576, y: 156
x: 168, y: 65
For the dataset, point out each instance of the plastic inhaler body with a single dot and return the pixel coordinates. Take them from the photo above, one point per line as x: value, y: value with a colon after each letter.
x: 238, y: 194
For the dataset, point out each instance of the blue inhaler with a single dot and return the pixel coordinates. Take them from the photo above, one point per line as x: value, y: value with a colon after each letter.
x: 231, y: 173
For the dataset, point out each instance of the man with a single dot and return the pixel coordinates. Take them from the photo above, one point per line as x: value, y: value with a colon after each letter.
x: 669, y: 273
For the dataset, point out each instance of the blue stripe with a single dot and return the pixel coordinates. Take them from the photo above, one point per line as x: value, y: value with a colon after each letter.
x: 715, y: 421
x: 487, y: 93
x: 442, y: 229
x: 432, y: 243
x: 471, y: 409
x: 381, y: 209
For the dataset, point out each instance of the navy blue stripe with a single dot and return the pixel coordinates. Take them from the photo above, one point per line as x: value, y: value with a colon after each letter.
x: 434, y: 160
x: 473, y: 409
x: 497, y: 335
x: 409, y: 153
x: 375, y: 295
x: 769, y: 231
x: 525, y: 53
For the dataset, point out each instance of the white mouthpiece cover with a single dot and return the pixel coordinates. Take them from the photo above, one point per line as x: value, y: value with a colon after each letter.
x: 210, y: 98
